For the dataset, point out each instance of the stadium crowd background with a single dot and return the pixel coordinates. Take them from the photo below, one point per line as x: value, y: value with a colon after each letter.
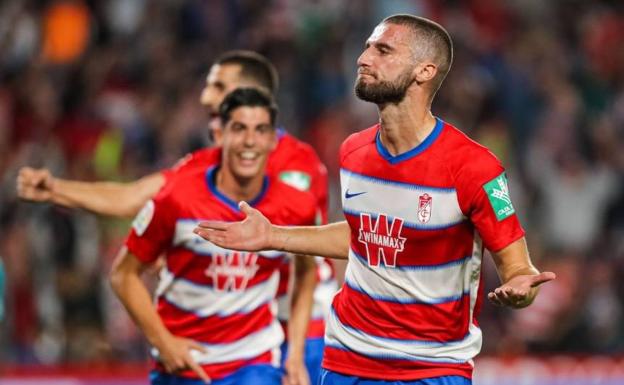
x: 109, y: 90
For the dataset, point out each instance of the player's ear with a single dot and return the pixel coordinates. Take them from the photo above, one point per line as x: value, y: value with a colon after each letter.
x: 424, y: 72
x: 217, y: 136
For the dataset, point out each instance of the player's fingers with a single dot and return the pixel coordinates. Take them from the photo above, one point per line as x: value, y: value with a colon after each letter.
x: 214, y: 225
x: 501, y: 292
x: 214, y: 237
x: 541, y: 278
x: 505, y: 295
x: 197, y: 346
x: 26, y: 179
x: 198, y: 369
x: 24, y: 172
x: 289, y: 378
x: 35, y: 178
x: 518, y: 295
x: 247, y: 209
x: 302, y: 377
x: 175, y: 365
x: 494, y: 299
x: 206, y: 234
x: 286, y: 379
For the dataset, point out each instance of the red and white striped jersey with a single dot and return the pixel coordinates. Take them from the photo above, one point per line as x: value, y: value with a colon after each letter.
x: 222, y: 298
x: 419, y: 222
x: 296, y: 164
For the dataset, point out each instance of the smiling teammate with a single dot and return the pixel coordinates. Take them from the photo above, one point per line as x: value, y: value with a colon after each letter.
x: 215, y: 317
x: 292, y: 161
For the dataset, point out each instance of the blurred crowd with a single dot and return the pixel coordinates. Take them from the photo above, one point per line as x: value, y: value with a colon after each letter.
x: 109, y: 90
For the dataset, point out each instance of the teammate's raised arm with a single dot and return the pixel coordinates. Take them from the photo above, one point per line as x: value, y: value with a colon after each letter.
x: 256, y: 233
x: 105, y: 198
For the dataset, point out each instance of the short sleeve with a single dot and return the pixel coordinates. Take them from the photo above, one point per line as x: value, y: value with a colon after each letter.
x: 179, y: 166
x: 484, y: 196
x: 310, y: 217
x: 319, y: 190
x: 152, y: 228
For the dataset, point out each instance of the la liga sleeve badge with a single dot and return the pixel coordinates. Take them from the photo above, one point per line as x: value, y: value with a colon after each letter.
x: 143, y: 218
x: 497, y: 192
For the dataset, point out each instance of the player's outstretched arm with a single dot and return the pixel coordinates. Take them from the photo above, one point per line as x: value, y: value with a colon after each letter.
x: 256, y: 233
x: 105, y: 198
x: 302, y: 301
x: 174, y: 352
x: 520, y: 279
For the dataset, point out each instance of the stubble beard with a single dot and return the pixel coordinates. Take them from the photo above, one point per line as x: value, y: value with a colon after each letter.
x: 384, y: 92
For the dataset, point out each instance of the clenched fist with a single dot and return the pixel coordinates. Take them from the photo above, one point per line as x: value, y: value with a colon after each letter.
x: 35, y: 184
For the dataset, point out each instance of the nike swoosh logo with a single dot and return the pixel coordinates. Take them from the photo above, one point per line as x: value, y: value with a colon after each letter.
x: 349, y: 196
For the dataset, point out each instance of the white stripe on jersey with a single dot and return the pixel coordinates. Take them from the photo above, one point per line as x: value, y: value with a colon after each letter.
x: 473, y: 274
x: 401, y: 200
x: 427, y: 284
x: 323, y: 297
x: 184, y: 236
x: 249, y: 347
x: 348, y: 338
x: 204, y: 300
x: 283, y: 307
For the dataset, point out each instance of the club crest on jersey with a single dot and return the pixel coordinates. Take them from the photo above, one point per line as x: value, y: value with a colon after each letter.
x: 424, y: 207
x: 382, y: 239
x: 233, y: 270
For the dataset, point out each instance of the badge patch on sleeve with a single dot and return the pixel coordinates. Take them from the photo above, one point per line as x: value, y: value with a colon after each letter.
x: 498, y: 194
x: 143, y: 218
x: 297, y: 179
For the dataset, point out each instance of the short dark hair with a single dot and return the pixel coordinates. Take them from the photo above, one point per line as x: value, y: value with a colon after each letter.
x: 253, y: 66
x: 247, y: 97
x: 437, y: 40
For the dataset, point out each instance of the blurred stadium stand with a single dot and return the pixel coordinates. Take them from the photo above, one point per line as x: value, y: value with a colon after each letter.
x: 109, y: 90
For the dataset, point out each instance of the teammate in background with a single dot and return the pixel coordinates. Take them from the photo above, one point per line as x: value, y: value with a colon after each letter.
x: 421, y: 201
x: 214, y: 317
x: 292, y: 161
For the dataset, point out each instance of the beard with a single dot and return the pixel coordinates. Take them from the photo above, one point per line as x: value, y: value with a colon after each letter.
x: 384, y: 91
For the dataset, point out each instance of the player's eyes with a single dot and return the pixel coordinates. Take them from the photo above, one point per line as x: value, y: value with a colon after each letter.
x: 263, y: 129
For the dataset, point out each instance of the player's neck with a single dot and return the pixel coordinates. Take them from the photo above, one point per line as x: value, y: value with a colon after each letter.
x: 406, y: 124
x: 238, y: 189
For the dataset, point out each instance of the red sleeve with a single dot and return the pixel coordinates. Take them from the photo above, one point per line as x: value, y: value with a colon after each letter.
x: 310, y: 217
x: 319, y: 189
x: 152, y: 229
x: 304, y: 212
x: 169, y: 173
x: 483, y: 194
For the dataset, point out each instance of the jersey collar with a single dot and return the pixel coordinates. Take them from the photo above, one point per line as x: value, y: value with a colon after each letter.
x: 211, y: 181
x: 394, y: 159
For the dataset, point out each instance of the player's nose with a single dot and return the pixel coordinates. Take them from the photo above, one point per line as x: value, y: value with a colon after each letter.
x: 250, y: 137
x: 364, y: 59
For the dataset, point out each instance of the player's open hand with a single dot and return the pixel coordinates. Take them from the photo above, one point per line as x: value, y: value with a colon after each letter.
x: 175, y: 356
x: 519, y: 291
x: 295, y: 372
x: 35, y: 184
x: 251, y: 234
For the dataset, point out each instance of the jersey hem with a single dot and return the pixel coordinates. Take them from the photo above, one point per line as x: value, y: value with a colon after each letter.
x: 397, y: 375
